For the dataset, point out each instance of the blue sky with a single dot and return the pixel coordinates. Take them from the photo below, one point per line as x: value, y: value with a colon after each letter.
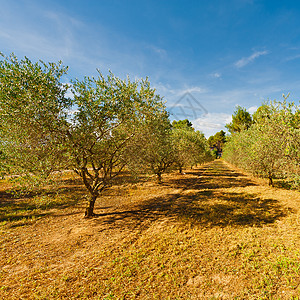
x: 208, y: 55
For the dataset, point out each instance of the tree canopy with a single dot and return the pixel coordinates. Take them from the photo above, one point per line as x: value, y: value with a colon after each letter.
x: 182, y: 124
x: 43, y: 130
x: 107, y: 125
x: 218, y: 140
x: 241, y: 120
x: 271, y: 146
x: 216, y: 143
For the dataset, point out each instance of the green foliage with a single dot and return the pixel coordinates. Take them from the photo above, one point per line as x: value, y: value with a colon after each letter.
x: 43, y: 131
x: 154, y: 146
x: 271, y: 146
x: 262, y: 113
x: 190, y: 147
x: 215, y: 153
x: 217, y: 141
x: 162, y: 146
x: 241, y: 120
x: 111, y: 113
x: 33, y: 112
x: 182, y: 124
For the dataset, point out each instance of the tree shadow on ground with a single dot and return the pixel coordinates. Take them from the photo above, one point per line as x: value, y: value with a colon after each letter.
x: 213, y: 176
x: 201, y: 202
x: 200, y: 208
x: 210, y: 182
x: 17, y: 205
x: 32, y: 205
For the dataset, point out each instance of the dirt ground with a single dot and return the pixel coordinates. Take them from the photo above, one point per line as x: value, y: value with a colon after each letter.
x: 211, y: 233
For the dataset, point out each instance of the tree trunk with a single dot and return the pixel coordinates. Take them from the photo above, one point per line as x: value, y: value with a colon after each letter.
x: 270, y: 180
x: 89, y: 212
x: 159, y: 179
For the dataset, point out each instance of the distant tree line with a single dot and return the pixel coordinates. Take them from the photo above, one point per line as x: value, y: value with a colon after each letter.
x: 268, y: 143
x: 216, y: 143
x: 106, y: 126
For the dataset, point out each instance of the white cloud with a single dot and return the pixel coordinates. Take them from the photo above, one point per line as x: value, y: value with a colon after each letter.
x: 161, y: 52
x: 252, y: 109
x: 195, y: 89
x: 223, y: 101
x: 172, y: 95
x: 182, y: 90
x: 246, y: 60
x: 211, y: 123
x: 164, y: 89
x: 216, y: 75
x: 292, y: 57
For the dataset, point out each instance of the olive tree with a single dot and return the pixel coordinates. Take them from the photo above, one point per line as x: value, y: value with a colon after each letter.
x: 270, y: 147
x: 89, y: 133
x: 190, y: 147
x: 156, y: 153
x: 33, y: 116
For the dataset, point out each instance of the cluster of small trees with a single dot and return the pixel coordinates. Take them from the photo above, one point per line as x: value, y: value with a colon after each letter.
x: 190, y: 146
x: 107, y: 125
x: 268, y: 145
x: 163, y: 146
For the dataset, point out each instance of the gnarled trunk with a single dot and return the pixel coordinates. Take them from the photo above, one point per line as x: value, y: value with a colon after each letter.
x: 89, y: 212
x: 159, y: 179
x: 271, y: 180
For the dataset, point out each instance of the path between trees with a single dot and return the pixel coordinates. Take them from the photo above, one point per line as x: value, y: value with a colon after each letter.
x: 212, y: 232
x: 215, y: 194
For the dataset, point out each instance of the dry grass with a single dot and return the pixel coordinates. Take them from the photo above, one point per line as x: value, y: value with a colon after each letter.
x: 213, y: 233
